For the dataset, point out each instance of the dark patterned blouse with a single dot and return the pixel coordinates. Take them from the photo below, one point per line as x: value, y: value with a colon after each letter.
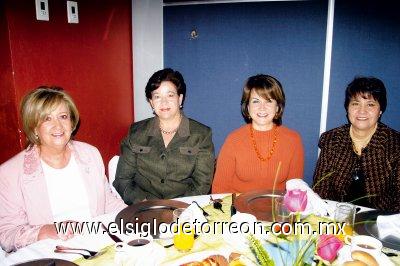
x: 342, y: 175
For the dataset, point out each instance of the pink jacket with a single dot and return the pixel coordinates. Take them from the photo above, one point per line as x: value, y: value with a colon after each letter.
x: 24, y: 201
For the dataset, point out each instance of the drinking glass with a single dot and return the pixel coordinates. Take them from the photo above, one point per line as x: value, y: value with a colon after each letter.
x: 281, y: 213
x: 184, y: 231
x: 281, y: 216
x: 345, y: 213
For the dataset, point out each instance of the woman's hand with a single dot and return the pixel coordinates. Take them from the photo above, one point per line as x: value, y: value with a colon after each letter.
x: 50, y: 231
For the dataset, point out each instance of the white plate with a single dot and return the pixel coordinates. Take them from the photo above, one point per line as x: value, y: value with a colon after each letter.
x: 345, y: 255
x: 238, y: 241
x: 155, y: 257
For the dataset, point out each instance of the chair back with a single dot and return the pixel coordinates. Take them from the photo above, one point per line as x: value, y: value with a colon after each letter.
x: 112, y: 169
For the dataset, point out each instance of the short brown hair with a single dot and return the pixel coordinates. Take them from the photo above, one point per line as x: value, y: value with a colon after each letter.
x: 37, y: 104
x: 267, y: 87
x: 166, y: 74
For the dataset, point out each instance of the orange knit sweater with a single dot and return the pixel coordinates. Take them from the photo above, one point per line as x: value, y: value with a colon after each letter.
x: 240, y: 170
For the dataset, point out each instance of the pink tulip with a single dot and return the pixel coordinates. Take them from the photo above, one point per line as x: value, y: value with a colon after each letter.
x: 295, y: 200
x: 328, y: 247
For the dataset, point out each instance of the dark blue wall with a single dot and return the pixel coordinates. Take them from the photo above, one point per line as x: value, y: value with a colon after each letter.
x: 284, y: 39
x: 366, y: 41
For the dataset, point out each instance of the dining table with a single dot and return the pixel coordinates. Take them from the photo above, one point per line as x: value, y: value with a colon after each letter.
x: 164, y: 252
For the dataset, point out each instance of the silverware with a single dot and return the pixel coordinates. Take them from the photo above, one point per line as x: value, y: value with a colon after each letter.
x: 233, y: 209
x: 92, y: 253
x: 204, y: 212
x: 390, y: 254
x: 112, y: 236
x: 85, y: 256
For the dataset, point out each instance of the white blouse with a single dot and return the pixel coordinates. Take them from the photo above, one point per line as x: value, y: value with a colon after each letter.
x: 67, y: 192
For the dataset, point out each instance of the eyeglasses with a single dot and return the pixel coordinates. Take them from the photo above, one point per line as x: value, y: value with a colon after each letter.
x: 169, y: 97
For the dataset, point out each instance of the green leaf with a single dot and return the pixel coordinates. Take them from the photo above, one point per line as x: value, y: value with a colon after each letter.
x: 261, y: 254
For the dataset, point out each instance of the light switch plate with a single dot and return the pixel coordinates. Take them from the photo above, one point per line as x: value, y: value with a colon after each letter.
x: 72, y: 12
x: 42, y: 10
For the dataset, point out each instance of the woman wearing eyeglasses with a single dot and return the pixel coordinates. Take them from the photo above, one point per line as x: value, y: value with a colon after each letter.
x: 168, y: 155
x: 360, y: 161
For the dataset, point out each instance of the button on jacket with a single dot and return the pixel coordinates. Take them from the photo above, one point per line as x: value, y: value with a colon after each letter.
x: 149, y: 170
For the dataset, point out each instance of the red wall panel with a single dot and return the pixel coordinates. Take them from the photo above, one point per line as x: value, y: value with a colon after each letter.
x: 92, y: 60
x: 9, y: 135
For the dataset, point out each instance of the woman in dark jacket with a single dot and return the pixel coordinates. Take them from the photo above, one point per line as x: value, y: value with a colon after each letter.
x: 360, y: 161
x: 168, y: 155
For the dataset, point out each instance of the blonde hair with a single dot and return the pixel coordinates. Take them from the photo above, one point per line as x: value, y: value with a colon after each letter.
x: 37, y: 104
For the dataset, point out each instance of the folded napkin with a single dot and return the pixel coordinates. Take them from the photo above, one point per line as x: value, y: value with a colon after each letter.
x: 197, y: 214
x: 315, y: 204
x: 244, y: 224
x: 388, y: 225
x: 190, y: 214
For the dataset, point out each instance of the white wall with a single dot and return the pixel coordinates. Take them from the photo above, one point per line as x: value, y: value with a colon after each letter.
x: 147, y: 35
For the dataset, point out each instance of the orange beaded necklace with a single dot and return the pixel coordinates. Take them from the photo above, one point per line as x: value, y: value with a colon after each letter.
x: 271, y: 151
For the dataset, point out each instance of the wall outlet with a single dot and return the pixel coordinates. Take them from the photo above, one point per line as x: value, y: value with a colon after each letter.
x: 42, y: 10
x: 72, y: 12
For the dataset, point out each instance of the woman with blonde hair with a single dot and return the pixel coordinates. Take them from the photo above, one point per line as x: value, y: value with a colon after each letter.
x: 55, y: 179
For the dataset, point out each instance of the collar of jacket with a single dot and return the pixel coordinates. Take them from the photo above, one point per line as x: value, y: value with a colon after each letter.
x: 34, y: 183
x: 343, y: 139
x: 183, y: 129
x: 32, y: 158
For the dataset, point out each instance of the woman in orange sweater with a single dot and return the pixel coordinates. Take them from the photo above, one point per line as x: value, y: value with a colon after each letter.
x: 250, y: 156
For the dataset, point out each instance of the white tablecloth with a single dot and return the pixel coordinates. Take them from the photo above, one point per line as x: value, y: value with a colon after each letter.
x: 45, y: 248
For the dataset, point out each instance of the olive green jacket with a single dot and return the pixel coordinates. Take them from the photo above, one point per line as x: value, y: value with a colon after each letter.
x: 149, y: 170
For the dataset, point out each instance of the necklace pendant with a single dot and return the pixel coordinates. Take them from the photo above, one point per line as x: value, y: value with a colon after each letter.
x: 167, y: 132
x: 163, y: 131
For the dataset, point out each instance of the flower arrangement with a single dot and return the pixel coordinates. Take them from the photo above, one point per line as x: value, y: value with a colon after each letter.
x: 261, y: 254
x: 295, y: 200
x: 328, y: 247
x: 296, y: 250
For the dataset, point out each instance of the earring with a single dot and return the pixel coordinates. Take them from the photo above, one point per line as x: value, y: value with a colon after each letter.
x: 180, y: 106
x: 36, y: 136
